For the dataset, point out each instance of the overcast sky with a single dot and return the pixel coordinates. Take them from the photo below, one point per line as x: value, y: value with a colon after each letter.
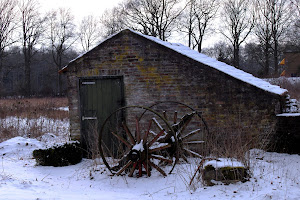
x: 79, y: 8
x: 82, y: 8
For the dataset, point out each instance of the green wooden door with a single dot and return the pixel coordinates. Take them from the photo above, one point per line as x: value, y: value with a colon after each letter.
x: 99, y: 97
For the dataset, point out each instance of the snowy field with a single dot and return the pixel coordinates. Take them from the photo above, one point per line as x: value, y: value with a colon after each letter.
x: 275, y: 176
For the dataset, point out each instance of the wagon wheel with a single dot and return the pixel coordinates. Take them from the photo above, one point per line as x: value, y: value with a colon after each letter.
x: 189, y: 126
x: 132, y: 145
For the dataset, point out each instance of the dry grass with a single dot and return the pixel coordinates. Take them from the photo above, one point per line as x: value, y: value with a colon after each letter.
x: 233, y: 142
x: 33, y: 117
x: 33, y: 108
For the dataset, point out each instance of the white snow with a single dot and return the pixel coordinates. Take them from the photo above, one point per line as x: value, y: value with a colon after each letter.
x: 274, y: 176
x: 49, y: 128
x: 63, y: 108
x: 139, y: 146
x: 223, y: 67
x: 288, y: 115
x: 223, y: 162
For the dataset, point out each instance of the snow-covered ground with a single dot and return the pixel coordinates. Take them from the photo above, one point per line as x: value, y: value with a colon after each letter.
x: 275, y: 176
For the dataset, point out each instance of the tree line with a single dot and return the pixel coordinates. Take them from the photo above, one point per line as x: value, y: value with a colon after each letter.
x: 34, y: 45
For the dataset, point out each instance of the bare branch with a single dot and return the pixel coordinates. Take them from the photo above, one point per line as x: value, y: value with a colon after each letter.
x: 89, y: 32
x: 238, y: 23
x: 152, y: 17
x: 32, y: 30
x: 61, y: 36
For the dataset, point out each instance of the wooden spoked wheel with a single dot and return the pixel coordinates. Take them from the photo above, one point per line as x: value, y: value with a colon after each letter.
x: 189, y: 126
x: 133, y: 146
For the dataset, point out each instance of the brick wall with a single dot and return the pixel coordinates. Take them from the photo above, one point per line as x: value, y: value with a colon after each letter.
x: 155, y: 73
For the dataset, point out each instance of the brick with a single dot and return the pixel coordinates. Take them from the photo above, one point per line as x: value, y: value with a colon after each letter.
x: 155, y: 73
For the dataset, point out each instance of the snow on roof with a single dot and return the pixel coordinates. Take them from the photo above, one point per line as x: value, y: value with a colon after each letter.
x: 223, y: 67
x: 288, y: 115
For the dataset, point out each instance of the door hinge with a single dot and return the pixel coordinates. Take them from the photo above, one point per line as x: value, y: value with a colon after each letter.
x: 88, y: 83
x: 88, y: 118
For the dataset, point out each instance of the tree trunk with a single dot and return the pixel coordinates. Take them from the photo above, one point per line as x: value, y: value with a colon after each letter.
x: 266, y: 63
x: 59, y: 80
x: 276, y: 57
x: 190, y: 34
x: 27, y: 72
x: 236, y: 57
x: 200, y: 45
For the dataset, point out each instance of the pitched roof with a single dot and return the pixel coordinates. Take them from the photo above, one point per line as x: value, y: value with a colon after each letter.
x: 211, y: 62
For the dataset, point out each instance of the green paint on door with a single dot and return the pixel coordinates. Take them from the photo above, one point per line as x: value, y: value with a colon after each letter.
x: 99, y: 97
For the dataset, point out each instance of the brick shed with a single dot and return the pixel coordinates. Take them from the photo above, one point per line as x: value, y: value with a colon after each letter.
x: 130, y: 68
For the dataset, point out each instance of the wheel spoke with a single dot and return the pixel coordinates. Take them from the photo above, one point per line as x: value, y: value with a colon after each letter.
x: 160, y: 148
x: 147, y: 133
x: 191, y: 133
x: 184, y: 158
x: 161, y: 158
x: 158, y: 124
x: 155, y: 138
x: 192, y: 152
x: 194, y: 142
x: 122, y: 140
x: 147, y: 169
x: 128, y: 133
x: 157, y: 168
x: 132, y: 169
x: 186, y: 123
x: 138, y: 133
x: 124, y: 167
x: 140, y: 169
x: 175, y: 117
x: 165, y: 115
x: 152, y: 133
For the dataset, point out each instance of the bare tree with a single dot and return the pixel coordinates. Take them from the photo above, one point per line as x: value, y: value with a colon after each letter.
x: 220, y: 51
x: 152, y: 17
x: 263, y: 31
x: 62, y: 37
x: 32, y: 30
x: 112, y: 21
x: 238, y: 23
x: 296, y: 5
x: 199, y: 15
x: 272, y: 17
x: 280, y: 21
x: 89, y: 32
x: 7, y: 26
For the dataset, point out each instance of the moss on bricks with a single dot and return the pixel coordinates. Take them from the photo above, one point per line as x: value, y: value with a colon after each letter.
x: 226, y: 175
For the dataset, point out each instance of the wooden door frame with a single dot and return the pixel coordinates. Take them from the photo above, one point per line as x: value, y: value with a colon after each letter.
x: 91, y: 78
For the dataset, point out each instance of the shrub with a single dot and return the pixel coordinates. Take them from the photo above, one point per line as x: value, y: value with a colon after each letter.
x: 59, y: 155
